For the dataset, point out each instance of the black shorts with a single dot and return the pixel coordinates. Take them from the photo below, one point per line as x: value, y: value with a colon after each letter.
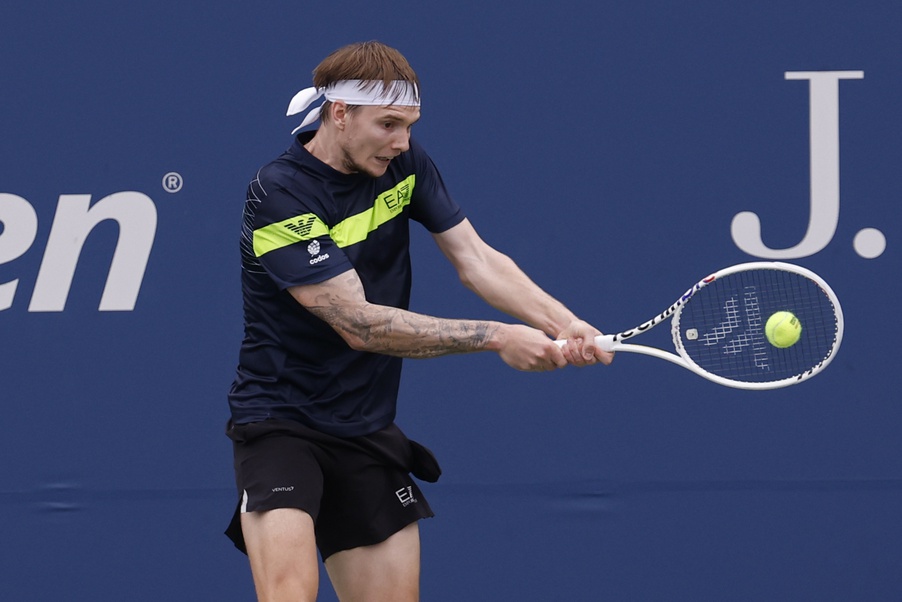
x: 357, y: 490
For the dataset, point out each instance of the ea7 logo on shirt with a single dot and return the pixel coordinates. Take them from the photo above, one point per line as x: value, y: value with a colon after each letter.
x: 398, y: 197
x: 313, y: 248
x: 405, y: 496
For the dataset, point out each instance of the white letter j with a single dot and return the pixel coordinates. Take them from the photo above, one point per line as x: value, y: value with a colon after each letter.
x: 824, y: 141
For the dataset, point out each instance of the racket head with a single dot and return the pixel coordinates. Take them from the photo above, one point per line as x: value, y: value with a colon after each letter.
x: 719, y: 329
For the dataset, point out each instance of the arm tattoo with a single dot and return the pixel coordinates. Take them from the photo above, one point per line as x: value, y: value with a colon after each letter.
x: 394, y: 331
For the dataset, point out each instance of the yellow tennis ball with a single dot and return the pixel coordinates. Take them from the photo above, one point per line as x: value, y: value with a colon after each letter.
x: 783, y: 329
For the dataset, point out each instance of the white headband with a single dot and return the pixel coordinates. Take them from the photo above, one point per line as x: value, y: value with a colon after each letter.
x: 354, y: 92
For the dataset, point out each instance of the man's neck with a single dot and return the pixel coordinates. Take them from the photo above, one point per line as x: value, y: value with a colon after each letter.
x: 325, y: 147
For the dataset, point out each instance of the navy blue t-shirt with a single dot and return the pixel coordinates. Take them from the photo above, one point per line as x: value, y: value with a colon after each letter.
x: 305, y: 222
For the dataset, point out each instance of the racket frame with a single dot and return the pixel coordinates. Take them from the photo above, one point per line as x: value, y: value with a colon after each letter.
x: 614, y: 342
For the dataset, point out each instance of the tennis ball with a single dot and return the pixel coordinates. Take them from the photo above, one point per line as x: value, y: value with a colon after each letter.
x: 783, y: 329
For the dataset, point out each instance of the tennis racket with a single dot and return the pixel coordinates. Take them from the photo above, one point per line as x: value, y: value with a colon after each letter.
x: 718, y: 326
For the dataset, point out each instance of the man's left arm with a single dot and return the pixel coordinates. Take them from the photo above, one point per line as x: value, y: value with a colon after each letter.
x: 502, y: 284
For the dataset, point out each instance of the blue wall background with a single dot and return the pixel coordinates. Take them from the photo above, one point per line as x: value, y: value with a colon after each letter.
x: 606, y: 147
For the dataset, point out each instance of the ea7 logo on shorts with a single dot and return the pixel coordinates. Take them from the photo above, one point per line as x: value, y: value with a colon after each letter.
x: 405, y: 496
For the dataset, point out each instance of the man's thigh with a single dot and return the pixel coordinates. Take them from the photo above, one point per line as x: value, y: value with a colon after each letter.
x: 281, y: 546
x: 387, y: 571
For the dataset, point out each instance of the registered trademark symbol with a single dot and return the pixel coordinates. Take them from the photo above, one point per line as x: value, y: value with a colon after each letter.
x: 172, y: 182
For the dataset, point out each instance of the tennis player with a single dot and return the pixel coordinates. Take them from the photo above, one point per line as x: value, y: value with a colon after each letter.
x: 319, y: 461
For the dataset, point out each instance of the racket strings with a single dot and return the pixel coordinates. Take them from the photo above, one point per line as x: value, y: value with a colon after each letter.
x: 721, y: 328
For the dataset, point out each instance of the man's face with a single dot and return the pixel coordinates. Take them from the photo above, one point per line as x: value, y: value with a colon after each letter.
x: 373, y: 136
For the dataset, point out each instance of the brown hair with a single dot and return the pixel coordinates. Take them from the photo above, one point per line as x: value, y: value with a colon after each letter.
x: 372, y: 61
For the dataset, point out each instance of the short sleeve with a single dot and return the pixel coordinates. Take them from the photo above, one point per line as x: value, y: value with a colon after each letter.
x: 291, y: 239
x: 432, y: 204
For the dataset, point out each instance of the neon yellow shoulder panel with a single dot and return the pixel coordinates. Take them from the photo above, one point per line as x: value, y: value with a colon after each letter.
x: 387, y: 206
x: 349, y: 231
x: 287, y: 232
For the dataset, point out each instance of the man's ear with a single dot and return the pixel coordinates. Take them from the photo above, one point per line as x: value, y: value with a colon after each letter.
x: 338, y: 112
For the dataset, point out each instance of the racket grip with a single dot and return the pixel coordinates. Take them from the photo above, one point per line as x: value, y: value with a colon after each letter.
x: 605, y: 342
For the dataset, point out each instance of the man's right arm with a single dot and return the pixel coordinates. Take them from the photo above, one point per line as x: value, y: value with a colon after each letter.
x: 340, y: 301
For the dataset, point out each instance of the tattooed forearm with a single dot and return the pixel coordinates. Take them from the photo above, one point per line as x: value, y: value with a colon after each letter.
x: 341, y: 302
x: 394, y: 331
